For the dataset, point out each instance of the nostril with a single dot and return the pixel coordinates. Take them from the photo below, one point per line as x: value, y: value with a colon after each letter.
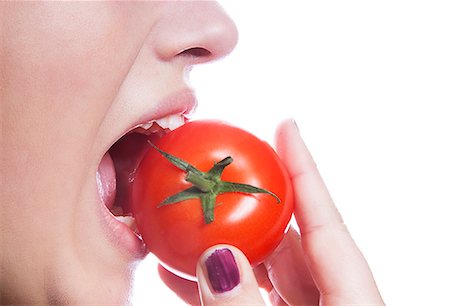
x: 196, y: 52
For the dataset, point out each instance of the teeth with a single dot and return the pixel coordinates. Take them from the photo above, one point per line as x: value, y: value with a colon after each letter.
x: 147, y: 128
x: 171, y: 122
x: 128, y: 220
x: 147, y: 125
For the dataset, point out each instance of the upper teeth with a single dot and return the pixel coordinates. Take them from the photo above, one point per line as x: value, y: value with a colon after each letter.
x: 170, y: 122
x: 147, y: 125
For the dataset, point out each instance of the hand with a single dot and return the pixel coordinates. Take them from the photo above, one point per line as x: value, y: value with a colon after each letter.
x: 322, y: 266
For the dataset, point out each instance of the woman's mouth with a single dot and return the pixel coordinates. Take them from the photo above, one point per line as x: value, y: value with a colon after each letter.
x: 115, y: 176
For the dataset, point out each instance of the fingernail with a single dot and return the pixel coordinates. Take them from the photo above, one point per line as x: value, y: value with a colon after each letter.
x: 223, y: 272
x: 294, y: 123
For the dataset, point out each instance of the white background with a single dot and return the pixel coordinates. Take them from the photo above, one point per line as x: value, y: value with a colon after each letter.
x: 368, y: 83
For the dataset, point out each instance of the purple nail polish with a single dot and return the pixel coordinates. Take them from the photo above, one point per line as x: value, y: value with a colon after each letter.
x: 223, y: 272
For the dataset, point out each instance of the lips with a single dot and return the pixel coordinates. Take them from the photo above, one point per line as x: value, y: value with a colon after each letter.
x: 116, y: 170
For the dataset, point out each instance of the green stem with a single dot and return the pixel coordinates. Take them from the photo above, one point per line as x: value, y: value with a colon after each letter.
x: 199, y: 181
x: 207, y: 185
x: 208, y: 204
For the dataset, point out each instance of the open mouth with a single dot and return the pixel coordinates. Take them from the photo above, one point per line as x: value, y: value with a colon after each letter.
x: 115, y: 176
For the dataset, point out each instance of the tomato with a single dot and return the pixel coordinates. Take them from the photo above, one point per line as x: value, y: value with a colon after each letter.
x: 177, y: 233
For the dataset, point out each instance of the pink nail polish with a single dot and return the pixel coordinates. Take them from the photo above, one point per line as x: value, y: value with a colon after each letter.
x: 223, y: 272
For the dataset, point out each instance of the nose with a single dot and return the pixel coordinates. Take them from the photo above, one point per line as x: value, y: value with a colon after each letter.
x: 194, y: 32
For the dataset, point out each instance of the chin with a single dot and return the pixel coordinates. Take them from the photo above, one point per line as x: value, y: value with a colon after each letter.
x: 99, y: 265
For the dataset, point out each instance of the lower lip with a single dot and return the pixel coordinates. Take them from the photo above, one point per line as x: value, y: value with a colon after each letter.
x: 122, y: 236
x: 117, y: 232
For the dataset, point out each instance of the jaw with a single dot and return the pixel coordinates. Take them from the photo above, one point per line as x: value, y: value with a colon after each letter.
x: 115, y: 176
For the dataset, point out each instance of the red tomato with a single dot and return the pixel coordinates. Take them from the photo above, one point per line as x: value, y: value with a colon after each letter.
x: 178, y: 233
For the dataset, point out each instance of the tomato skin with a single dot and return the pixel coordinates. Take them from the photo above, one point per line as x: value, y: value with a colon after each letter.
x: 177, y: 233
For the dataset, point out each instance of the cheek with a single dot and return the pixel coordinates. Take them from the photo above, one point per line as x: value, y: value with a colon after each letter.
x: 64, y: 63
x: 72, y: 58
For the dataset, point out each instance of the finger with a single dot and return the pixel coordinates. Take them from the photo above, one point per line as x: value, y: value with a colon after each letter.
x: 314, y: 207
x: 185, y: 289
x: 336, y: 264
x: 276, y: 300
x: 289, y: 274
x: 225, y: 277
x: 262, y: 277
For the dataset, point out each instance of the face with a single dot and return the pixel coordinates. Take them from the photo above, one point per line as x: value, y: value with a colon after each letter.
x: 76, y: 78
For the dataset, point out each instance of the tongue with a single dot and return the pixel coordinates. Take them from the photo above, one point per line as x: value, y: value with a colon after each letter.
x: 127, y: 154
x: 106, y: 181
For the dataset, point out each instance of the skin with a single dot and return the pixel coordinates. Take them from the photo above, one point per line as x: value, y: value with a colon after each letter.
x: 301, y: 271
x: 74, y: 77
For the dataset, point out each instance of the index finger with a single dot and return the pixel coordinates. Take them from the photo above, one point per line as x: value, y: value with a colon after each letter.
x: 337, y: 266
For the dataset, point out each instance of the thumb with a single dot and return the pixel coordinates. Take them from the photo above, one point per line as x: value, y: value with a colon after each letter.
x: 225, y: 277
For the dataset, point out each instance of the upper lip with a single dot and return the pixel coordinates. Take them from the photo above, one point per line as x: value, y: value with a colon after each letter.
x: 182, y: 102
